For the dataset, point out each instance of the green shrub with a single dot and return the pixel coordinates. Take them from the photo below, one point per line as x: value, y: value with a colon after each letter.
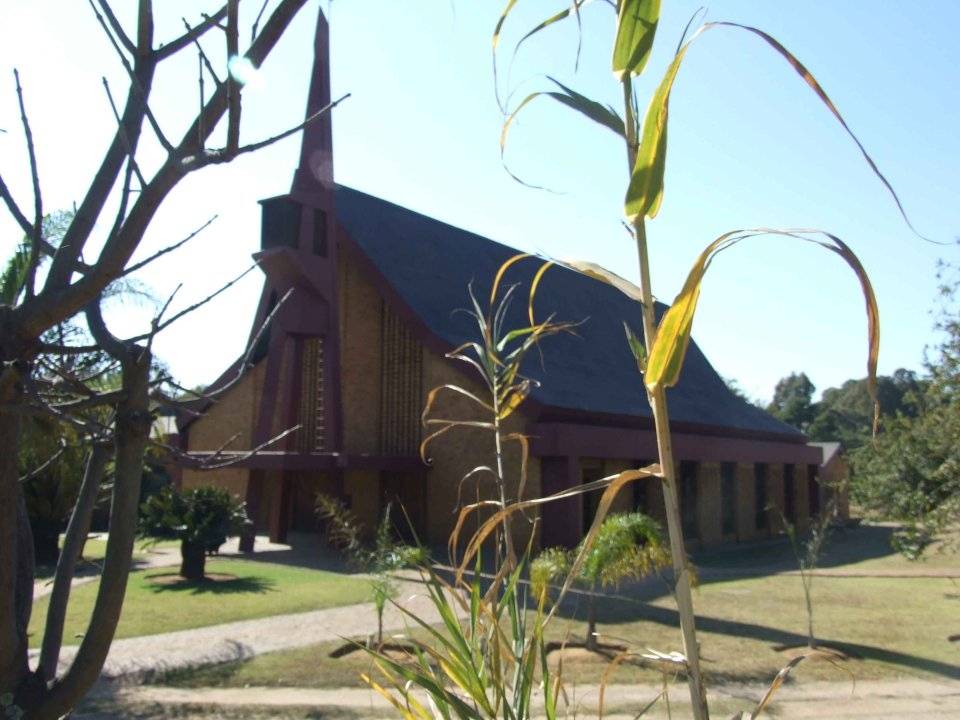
x: 200, y: 518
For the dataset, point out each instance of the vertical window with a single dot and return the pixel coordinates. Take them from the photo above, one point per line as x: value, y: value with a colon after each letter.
x: 688, y: 499
x: 760, y: 495
x: 280, y: 223
x: 641, y: 495
x: 401, y: 375
x: 590, y: 470
x: 813, y: 489
x: 789, y: 499
x: 310, y: 414
x: 728, y: 498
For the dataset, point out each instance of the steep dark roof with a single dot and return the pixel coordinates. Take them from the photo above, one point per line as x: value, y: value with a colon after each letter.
x: 430, y: 264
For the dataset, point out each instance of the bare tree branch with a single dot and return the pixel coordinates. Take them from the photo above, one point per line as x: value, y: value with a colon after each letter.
x: 203, y: 56
x: 145, y: 28
x: 71, y: 247
x: 37, y: 196
x: 233, y: 83
x: 98, y: 328
x: 50, y: 461
x: 264, y: 326
x: 155, y: 322
x: 135, y: 83
x: 170, y: 248
x: 14, y: 209
x: 43, y: 407
x: 192, y: 35
x: 207, y: 461
x: 118, y: 249
x: 117, y: 28
x: 208, y: 298
x: 131, y: 160
x: 216, y: 157
x: 72, y: 545
x: 256, y: 23
x: 244, y: 366
x: 98, y: 400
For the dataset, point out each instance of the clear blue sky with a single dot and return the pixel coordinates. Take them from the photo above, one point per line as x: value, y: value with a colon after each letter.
x: 750, y: 146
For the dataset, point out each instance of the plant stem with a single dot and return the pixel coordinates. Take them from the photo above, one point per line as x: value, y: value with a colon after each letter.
x: 509, y: 557
x: 682, y: 588
x: 661, y: 420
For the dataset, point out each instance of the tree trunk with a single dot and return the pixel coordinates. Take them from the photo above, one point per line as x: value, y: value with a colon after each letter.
x: 46, y: 541
x: 133, y: 424
x: 592, y: 620
x: 13, y: 640
x: 73, y: 544
x: 194, y: 559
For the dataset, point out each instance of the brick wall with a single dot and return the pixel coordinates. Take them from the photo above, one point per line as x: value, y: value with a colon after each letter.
x: 463, y: 449
x: 360, y: 359
x: 232, y: 414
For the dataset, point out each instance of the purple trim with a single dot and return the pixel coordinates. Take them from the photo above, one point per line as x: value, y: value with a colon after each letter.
x: 554, y: 439
x: 280, y: 460
x: 557, y: 415
x: 289, y: 407
x: 316, y: 150
x: 280, y: 511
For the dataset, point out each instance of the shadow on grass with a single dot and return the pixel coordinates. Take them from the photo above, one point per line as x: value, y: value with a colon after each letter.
x: 613, y: 611
x: 846, y: 546
x: 210, y: 586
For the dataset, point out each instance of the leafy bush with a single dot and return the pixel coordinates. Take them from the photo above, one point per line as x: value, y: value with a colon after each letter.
x: 201, y: 518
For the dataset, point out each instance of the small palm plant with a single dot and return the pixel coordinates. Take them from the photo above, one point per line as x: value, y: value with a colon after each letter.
x: 628, y: 545
x: 380, y: 558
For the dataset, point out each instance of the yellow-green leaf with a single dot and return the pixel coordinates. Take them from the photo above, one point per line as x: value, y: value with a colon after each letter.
x: 637, y: 348
x: 673, y: 335
x: 636, y: 29
x: 598, y: 272
x: 562, y: 15
x: 645, y: 192
x: 591, y: 109
x: 500, y: 22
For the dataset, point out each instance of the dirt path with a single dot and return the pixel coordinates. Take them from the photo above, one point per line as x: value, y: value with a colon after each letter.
x: 836, y: 700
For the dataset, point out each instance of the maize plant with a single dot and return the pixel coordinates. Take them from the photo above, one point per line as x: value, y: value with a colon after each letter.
x: 660, y: 353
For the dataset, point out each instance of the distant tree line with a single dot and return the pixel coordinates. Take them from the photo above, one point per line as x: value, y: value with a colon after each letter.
x: 845, y: 414
x: 909, y: 473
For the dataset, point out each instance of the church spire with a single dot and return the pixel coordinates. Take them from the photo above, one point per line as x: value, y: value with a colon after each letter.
x: 315, y: 171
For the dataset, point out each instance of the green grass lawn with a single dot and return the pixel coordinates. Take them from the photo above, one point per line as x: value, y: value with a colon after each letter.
x: 889, y: 626
x: 259, y: 590
x: 94, y: 551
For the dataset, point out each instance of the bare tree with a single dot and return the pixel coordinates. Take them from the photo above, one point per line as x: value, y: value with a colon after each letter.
x: 70, y: 284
